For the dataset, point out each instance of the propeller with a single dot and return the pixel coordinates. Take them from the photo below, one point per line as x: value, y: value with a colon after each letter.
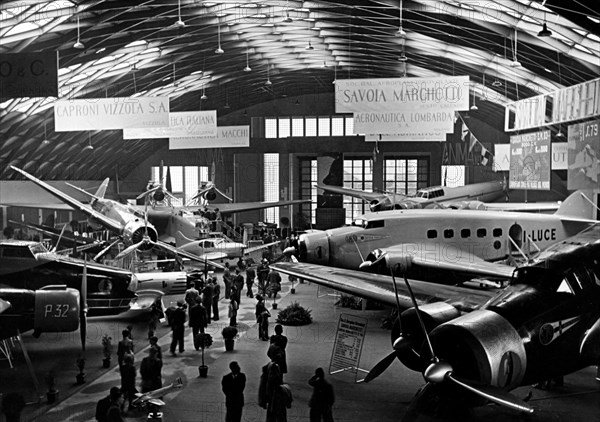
x: 105, y: 250
x: 83, y: 308
x: 59, y: 237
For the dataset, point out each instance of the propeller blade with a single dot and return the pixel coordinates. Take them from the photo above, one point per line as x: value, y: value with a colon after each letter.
x: 129, y: 249
x: 380, y: 367
x: 493, y: 394
x: 105, y: 250
x: 59, y: 237
x: 223, y: 194
x: 148, y: 192
x: 83, y: 306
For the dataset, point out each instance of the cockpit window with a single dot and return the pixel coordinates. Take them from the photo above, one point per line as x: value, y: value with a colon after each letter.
x: 375, y: 224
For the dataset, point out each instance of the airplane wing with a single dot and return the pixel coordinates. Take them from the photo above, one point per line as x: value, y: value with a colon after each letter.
x: 365, y: 196
x: 381, y: 289
x: 228, y: 208
x: 260, y: 247
x: 543, y: 207
x: 74, y: 203
x: 584, y: 245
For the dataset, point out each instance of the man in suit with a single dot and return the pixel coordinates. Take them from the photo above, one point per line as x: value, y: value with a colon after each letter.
x: 233, y: 385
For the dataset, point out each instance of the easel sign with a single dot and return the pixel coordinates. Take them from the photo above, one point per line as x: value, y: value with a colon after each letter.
x: 348, y: 344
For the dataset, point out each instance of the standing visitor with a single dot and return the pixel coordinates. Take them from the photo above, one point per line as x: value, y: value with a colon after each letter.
x: 233, y: 385
x: 322, y: 398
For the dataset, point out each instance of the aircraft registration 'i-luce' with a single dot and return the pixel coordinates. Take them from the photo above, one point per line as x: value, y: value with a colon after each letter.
x: 476, y: 345
x: 446, y: 246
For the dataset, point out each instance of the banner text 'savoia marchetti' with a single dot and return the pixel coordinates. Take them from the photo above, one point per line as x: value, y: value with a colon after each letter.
x: 111, y: 113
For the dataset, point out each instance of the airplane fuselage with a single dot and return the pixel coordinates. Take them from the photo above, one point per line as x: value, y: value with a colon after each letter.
x: 436, y: 235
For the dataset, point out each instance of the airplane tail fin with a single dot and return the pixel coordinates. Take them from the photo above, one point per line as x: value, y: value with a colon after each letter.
x: 578, y: 206
x: 102, y: 189
x: 181, y: 239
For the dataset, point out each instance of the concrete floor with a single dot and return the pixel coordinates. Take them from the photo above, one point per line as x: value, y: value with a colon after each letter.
x: 385, y: 399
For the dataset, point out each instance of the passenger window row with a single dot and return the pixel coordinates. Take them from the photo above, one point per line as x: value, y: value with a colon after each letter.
x: 464, y: 233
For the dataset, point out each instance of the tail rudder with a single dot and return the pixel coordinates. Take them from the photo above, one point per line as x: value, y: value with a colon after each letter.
x: 102, y: 189
x: 579, y: 206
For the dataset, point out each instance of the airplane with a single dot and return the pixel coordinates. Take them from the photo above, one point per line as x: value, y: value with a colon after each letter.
x: 462, y: 197
x: 215, y: 248
x: 128, y: 222
x: 445, y: 246
x: 474, y: 346
x: 153, y: 399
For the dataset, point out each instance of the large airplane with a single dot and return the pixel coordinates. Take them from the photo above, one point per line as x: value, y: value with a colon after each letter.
x: 462, y: 197
x: 474, y: 346
x: 446, y: 246
x: 127, y: 221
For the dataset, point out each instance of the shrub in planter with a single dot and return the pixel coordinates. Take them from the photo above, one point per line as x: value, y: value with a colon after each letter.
x: 106, y: 350
x: 294, y: 314
x: 203, y: 340
x: 81, y: 366
x: 229, y: 334
x: 52, y: 393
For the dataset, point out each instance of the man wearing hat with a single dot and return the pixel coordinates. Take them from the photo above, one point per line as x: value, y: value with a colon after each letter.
x: 107, y: 403
x: 178, y: 327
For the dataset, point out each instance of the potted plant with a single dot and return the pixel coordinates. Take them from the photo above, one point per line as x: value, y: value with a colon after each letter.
x: 204, y: 341
x: 106, y: 350
x: 81, y: 366
x: 52, y: 393
x: 229, y: 334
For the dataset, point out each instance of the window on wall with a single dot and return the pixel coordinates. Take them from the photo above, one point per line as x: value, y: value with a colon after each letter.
x: 297, y: 126
x: 184, y: 180
x: 271, y: 186
x: 270, y: 128
x: 284, y: 127
x: 308, y: 179
x: 358, y: 174
x: 406, y: 175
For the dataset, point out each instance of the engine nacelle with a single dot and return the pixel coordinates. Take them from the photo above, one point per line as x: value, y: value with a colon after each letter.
x: 314, y: 247
x: 210, y: 195
x: 135, y: 230
x: 412, y: 338
x: 158, y: 195
x: 482, y: 347
x: 467, y: 205
x: 56, y: 309
x: 380, y: 205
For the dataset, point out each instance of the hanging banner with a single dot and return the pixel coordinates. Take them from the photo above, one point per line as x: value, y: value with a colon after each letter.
x: 501, y: 157
x: 407, y: 137
x: 181, y: 124
x: 402, y: 94
x: 348, y: 344
x: 227, y: 137
x: 530, y: 161
x: 584, y: 156
x: 29, y: 74
x: 410, y: 124
x: 110, y: 113
x: 559, y: 156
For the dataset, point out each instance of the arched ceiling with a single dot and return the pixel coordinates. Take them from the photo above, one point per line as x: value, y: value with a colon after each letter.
x: 138, y: 48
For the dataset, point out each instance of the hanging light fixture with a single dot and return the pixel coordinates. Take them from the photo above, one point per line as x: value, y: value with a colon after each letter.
x: 45, y: 141
x: 545, y: 32
x: 78, y: 44
x: 89, y: 146
x: 515, y: 62
x: 204, y: 96
x: 474, y: 106
x: 402, y: 57
x: 400, y: 32
x: 268, y: 81
x: 219, y: 50
x: 247, y: 68
x: 497, y: 83
x: 179, y: 23
x: 287, y: 18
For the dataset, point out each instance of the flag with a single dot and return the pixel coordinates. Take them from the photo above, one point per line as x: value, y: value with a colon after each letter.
x: 485, y: 156
x: 467, y: 136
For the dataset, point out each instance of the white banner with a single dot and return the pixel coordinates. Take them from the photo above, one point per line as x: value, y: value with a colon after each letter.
x: 227, y: 137
x: 402, y: 94
x: 407, y: 137
x: 110, y: 113
x: 409, y: 123
x: 181, y: 124
x: 501, y: 157
x: 560, y: 155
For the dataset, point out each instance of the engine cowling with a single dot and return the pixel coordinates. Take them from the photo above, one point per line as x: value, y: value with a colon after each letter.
x: 94, y: 224
x: 410, y: 345
x: 56, y: 309
x: 314, y: 247
x: 158, y: 195
x: 482, y: 347
x: 467, y: 205
x: 134, y: 232
x: 210, y: 195
x: 383, y: 204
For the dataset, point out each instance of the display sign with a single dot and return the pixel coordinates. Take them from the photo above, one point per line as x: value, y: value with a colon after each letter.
x: 348, y: 343
x: 584, y: 156
x: 559, y: 156
x: 575, y: 102
x: 530, y: 161
x: 410, y: 123
x: 181, y: 124
x: 227, y: 137
x: 408, y: 137
x: 29, y: 74
x: 111, y: 113
x: 501, y: 157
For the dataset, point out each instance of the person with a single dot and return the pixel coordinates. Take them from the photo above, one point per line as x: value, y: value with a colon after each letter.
x: 233, y: 385
x: 197, y: 318
x: 125, y: 346
x: 154, y: 345
x: 250, y: 275
x: 273, y: 283
x: 150, y: 371
x: 104, y: 404
x: 191, y: 294
x: 114, y: 412
x: 262, y: 318
x: 227, y: 278
x: 215, y: 299
x: 272, y: 394
x: 156, y: 313
x: 277, y: 349
x: 128, y: 374
x: 207, y: 297
x: 232, y: 312
x: 322, y: 398
x: 178, y: 328
x: 262, y: 271
x: 238, y: 283
x: 241, y: 264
